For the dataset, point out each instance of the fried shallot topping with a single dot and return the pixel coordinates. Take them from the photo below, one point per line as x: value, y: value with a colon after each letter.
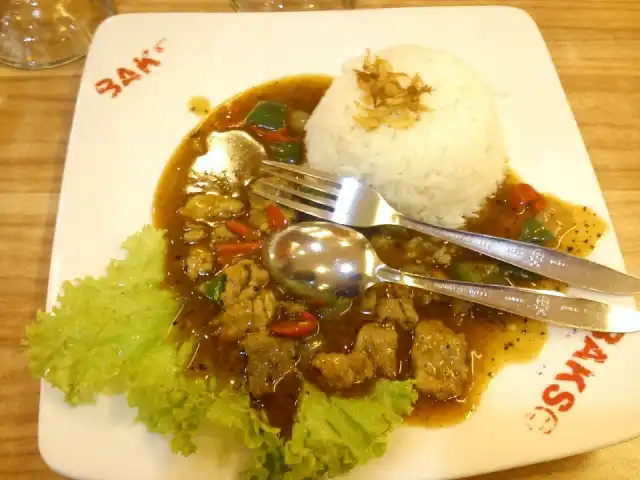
x: 391, y: 98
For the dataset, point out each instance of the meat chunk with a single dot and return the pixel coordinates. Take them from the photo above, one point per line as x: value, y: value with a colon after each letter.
x: 258, y: 215
x: 391, y: 304
x: 207, y: 208
x: 199, y: 261
x: 246, y: 316
x: 428, y: 250
x: 439, y: 360
x: 221, y: 232
x: 398, y: 308
x: 344, y: 371
x: 194, y: 233
x: 389, y: 239
x: 269, y: 360
x: 248, y: 307
x: 380, y: 345
x: 244, y: 281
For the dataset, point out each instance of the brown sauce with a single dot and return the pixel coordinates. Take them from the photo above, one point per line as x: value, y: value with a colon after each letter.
x: 495, y: 339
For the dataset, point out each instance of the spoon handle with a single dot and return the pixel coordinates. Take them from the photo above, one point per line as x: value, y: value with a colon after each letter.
x: 546, y: 306
x: 547, y: 262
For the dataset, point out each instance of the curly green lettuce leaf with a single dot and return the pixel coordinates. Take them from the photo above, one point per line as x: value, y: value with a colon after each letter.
x: 103, y: 327
x: 109, y: 335
x: 233, y: 410
x: 180, y: 406
x: 334, y: 434
x: 169, y: 402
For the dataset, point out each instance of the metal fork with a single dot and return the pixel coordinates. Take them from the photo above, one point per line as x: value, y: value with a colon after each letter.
x: 347, y: 201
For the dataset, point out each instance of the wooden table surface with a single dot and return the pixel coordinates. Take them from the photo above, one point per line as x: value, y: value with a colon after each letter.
x: 595, y: 45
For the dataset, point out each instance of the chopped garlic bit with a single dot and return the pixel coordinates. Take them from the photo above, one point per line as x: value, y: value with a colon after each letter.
x: 391, y: 98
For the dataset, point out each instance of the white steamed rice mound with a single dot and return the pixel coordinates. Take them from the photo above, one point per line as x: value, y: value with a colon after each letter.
x: 442, y: 168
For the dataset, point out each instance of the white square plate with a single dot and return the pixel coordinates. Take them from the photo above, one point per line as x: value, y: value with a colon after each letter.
x: 119, y: 146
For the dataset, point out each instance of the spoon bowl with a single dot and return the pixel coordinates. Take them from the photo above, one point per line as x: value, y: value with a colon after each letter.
x: 322, y: 260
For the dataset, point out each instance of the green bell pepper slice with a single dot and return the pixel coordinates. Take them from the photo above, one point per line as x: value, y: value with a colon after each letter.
x: 533, y: 231
x: 268, y: 115
x: 288, y: 152
x: 214, y: 287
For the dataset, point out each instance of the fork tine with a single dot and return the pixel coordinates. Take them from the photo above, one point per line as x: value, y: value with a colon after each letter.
x: 324, y: 188
x: 327, y: 177
x: 301, y: 207
x: 298, y: 193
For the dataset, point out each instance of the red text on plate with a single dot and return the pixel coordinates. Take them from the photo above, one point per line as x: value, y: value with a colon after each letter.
x: 125, y: 76
x: 560, y: 396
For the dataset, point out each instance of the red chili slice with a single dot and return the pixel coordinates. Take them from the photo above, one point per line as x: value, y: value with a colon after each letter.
x: 276, y: 136
x: 277, y: 219
x: 523, y: 195
x: 239, y: 228
x: 304, y: 325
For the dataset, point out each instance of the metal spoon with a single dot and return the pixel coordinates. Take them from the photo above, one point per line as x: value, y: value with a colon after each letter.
x: 326, y: 260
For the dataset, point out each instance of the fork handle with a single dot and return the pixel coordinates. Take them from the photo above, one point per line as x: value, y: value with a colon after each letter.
x: 546, y: 306
x: 547, y: 262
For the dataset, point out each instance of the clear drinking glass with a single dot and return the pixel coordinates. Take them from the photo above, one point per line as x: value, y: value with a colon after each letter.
x: 46, y: 33
x: 287, y: 5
